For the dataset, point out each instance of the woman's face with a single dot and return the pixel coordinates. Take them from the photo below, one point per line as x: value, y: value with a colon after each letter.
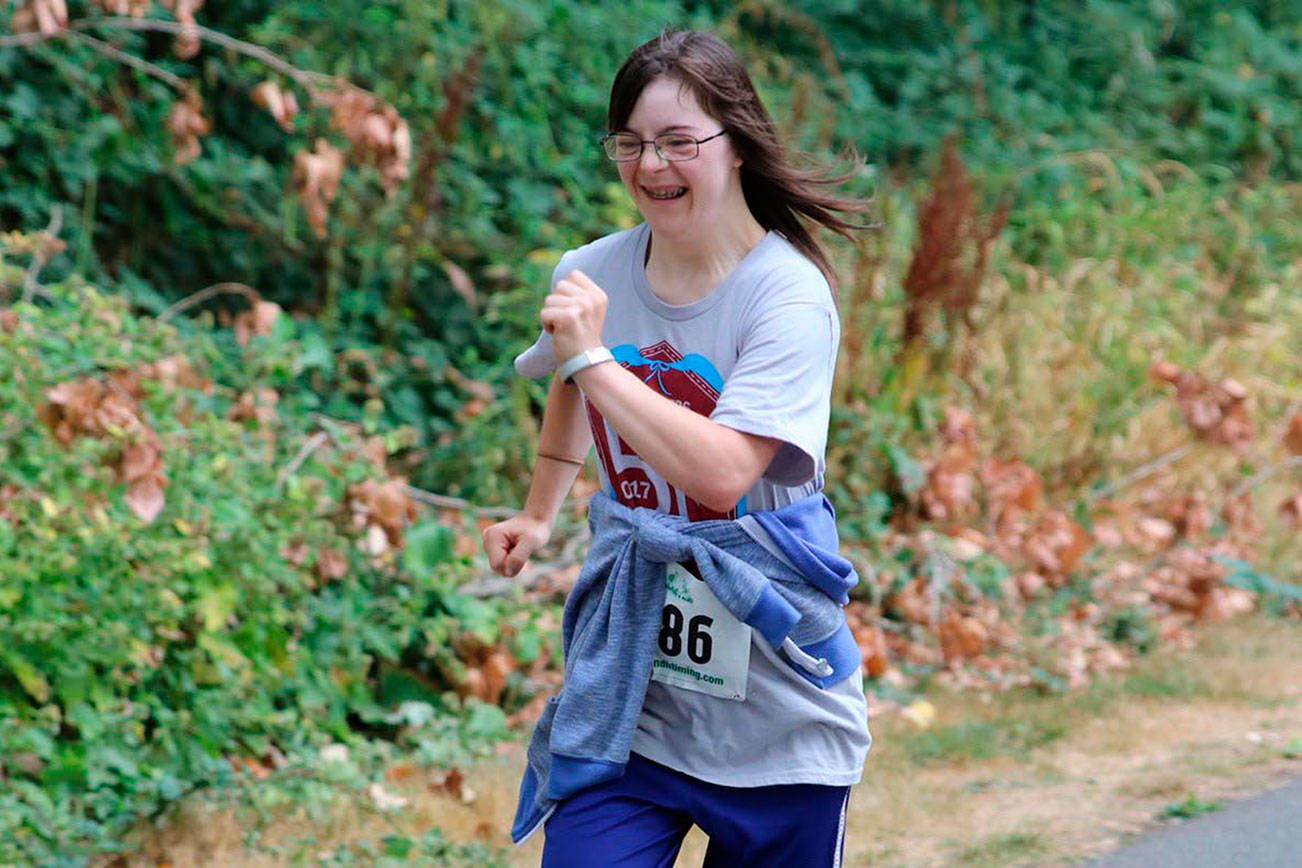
x: 707, y: 182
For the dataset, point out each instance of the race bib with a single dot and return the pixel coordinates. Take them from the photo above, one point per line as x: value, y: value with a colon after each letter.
x: 701, y: 645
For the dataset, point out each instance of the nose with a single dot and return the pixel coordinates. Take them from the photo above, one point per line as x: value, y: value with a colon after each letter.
x: 651, y: 159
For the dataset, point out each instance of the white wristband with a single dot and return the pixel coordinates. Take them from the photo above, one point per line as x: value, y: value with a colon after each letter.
x: 585, y: 359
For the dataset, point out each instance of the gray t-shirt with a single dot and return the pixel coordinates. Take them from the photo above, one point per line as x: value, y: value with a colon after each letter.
x: 757, y: 355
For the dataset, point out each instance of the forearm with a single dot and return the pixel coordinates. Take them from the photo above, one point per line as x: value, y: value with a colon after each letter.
x: 711, y: 469
x: 565, y: 432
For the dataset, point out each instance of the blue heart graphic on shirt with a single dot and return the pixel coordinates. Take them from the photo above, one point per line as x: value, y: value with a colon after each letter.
x: 693, y: 363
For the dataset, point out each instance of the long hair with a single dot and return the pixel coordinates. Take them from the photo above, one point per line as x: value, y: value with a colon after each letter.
x: 777, y: 192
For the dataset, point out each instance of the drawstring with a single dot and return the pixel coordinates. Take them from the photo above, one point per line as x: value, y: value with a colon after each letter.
x: 819, y: 667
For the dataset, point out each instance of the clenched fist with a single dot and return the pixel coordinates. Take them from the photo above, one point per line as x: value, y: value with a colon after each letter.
x: 509, y: 543
x: 574, y: 313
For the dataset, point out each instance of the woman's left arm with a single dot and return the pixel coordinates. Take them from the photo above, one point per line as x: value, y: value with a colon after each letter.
x: 713, y: 464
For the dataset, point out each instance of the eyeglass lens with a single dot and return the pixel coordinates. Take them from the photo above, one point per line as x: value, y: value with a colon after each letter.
x: 624, y: 147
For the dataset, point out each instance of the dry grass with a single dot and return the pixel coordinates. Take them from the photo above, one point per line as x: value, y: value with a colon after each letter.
x: 1114, y: 756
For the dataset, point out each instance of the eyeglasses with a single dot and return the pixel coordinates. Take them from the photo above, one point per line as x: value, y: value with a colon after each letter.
x: 671, y: 147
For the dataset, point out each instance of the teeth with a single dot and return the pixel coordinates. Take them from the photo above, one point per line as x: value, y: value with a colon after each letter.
x: 667, y: 194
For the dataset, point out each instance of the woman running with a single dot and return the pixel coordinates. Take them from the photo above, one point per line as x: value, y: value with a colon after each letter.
x: 718, y: 313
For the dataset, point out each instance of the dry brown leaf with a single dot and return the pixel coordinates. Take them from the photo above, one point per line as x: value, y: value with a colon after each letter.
x: 1164, y: 371
x: 376, y: 132
x: 913, y: 602
x: 281, y: 104
x: 1055, y: 544
x: 331, y: 564
x: 401, y: 772
x: 185, y: 124
x: 260, y: 320
x: 141, y: 459
x: 961, y: 637
x: 47, y: 17
x: 1216, y: 412
x: 461, y: 282
x: 316, y: 178
x: 1293, y: 434
x: 1291, y: 509
x: 872, y: 647
x: 131, y: 8
x: 478, y: 388
x: 384, y: 506
x: 1240, y: 515
x: 1011, y: 483
x: 175, y: 372
x: 187, y: 41
x: 1029, y: 584
x: 295, y: 552
x: 145, y: 497
x: 257, y: 405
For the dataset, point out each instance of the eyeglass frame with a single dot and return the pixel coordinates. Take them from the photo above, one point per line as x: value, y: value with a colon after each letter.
x: 642, y: 143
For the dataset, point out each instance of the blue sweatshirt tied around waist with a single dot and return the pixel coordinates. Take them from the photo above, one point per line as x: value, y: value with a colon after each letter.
x: 612, y: 616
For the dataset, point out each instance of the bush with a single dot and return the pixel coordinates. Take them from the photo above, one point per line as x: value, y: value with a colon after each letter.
x: 149, y: 647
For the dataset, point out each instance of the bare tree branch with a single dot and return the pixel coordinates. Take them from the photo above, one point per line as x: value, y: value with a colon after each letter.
x: 208, y: 292
x: 42, y: 253
x: 313, y: 443
x: 1140, y: 472
x: 303, y: 77
x: 112, y: 51
x: 1262, y: 475
x: 22, y: 40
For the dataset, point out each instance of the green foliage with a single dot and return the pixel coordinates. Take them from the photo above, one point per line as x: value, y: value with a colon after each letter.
x: 1191, y: 807
x: 1131, y: 625
x: 1202, y: 83
x: 500, y: 189
x: 138, y: 657
x: 982, y: 739
x: 1276, y: 596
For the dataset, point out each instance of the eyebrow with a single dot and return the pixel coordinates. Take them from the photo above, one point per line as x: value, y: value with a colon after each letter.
x: 668, y: 129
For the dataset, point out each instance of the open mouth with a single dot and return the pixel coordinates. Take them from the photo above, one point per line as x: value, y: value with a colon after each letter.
x: 665, y: 194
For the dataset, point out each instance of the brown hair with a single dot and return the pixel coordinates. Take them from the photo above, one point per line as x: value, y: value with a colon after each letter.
x: 777, y: 192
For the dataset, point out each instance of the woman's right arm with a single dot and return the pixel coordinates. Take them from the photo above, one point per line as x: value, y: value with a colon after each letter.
x: 564, y: 432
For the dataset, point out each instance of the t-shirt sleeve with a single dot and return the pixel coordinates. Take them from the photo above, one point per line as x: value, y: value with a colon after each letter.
x: 539, y: 360
x: 781, y: 386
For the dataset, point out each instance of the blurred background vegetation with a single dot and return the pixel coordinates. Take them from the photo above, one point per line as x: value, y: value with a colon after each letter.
x: 1138, y: 163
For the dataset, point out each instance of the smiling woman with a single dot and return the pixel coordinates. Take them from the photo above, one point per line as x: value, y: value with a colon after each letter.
x: 719, y: 315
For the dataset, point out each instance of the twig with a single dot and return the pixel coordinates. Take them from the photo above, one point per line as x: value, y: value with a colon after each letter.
x: 208, y: 292
x: 112, y: 51
x: 430, y: 498
x: 1260, y: 477
x: 42, y: 253
x: 446, y: 501
x: 1143, y: 470
x: 303, y: 77
x: 314, y: 442
x: 21, y: 40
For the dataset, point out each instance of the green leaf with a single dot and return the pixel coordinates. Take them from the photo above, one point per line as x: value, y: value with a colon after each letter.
x: 28, y: 676
x: 910, y: 474
x: 428, y: 546
x: 216, y: 605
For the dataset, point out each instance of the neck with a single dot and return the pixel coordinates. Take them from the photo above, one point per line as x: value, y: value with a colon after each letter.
x: 709, y: 256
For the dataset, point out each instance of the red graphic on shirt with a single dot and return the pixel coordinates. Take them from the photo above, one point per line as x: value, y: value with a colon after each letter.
x: 624, y: 468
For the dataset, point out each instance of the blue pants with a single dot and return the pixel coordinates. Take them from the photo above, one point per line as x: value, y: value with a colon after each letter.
x: 640, y: 820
